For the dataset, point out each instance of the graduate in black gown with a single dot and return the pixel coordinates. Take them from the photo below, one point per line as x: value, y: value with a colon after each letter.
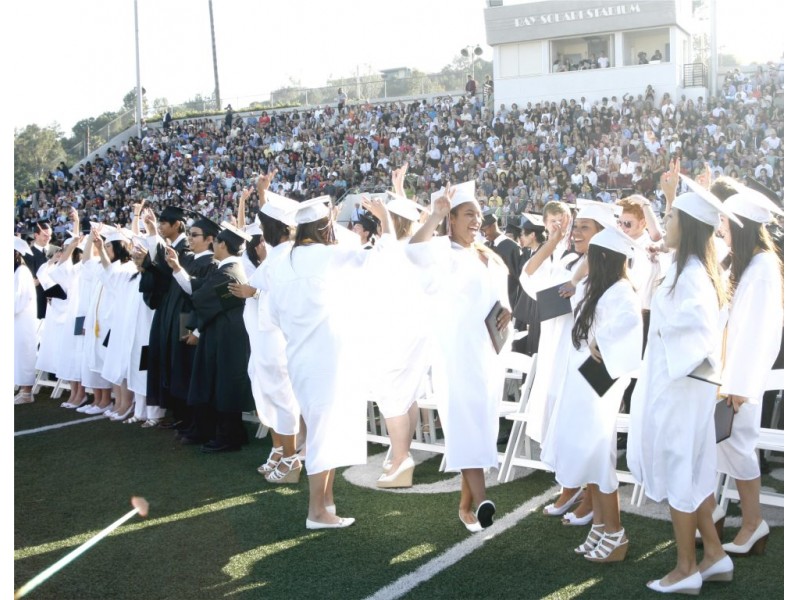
x: 41, y: 251
x: 169, y: 358
x: 220, y: 380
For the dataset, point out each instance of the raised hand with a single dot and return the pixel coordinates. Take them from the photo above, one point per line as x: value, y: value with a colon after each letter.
x: 172, y: 259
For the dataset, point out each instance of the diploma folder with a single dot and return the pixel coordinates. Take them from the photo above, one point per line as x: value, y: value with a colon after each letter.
x: 705, y: 372
x: 498, y: 337
x: 723, y: 420
x: 79, y: 323
x: 551, y: 305
x: 596, y: 374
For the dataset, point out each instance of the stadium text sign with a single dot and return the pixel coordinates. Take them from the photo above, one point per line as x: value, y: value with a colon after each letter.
x: 614, y: 10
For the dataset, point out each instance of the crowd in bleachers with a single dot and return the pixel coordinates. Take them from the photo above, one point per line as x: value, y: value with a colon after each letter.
x: 520, y: 156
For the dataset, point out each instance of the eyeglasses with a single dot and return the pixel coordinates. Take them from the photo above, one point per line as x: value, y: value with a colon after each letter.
x: 194, y: 235
x: 625, y: 224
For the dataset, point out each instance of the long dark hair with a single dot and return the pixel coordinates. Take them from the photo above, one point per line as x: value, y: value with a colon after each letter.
x: 316, y: 232
x: 697, y: 239
x: 250, y: 249
x: 273, y: 229
x: 746, y: 242
x: 606, y: 267
x: 122, y: 252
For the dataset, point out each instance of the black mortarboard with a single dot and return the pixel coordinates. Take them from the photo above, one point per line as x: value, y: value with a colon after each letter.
x: 43, y: 223
x: 756, y: 185
x: 233, y: 235
x: 513, y: 227
x: 172, y: 214
x: 206, y: 225
x: 369, y: 223
x: 488, y: 219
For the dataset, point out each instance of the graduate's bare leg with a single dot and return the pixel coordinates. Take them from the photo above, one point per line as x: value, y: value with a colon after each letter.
x: 287, y: 442
x: 473, y: 492
x: 400, y: 440
x: 712, y: 546
x: 102, y: 398
x: 320, y: 484
x: 608, y: 507
x: 684, y: 525
x: 749, y: 491
x: 124, y: 399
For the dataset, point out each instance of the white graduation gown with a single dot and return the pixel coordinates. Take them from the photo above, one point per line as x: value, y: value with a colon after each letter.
x: 554, y: 344
x: 401, y: 343
x: 91, y: 285
x: 143, y: 317
x: 124, y: 295
x: 25, y: 324
x: 469, y: 389
x: 55, y: 323
x: 268, y: 368
x: 581, y: 445
x: 67, y: 275
x: 753, y: 341
x: 311, y: 292
x: 671, y: 443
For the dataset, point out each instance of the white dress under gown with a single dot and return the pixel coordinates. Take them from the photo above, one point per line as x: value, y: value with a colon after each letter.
x: 468, y: 388
x: 67, y: 275
x: 54, y: 326
x: 268, y: 367
x: 671, y: 442
x: 581, y: 445
x: 753, y: 341
x: 312, y: 290
x: 25, y: 324
x: 554, y: 343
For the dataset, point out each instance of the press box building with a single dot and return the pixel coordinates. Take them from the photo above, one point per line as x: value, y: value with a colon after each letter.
x: 538, y: 44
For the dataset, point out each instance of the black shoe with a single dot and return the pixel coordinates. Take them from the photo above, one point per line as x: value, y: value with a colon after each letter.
x: 190, y: 440
x: 214, y: 447
x: 485, y: 513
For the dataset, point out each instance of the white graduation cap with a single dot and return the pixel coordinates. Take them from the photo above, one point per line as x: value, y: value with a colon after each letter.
x: 752, y: 205
x: 22, y: 246
x: 281, y: 208
x: 601, y: 212
x: 253, y: 229
x: 702, y: 205
x: 535, y: 220
x: 403, y: 207
x: 464, y: 192
x: 612, y: 238
x: 233, y: 233
x: 312, y: 210
x: 117, y: 235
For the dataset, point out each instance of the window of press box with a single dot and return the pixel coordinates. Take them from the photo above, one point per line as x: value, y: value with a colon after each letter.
x: 650, y: 46
x: 581, y: 53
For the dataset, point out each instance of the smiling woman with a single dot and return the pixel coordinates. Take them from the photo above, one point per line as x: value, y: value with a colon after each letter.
x: 469, y: 382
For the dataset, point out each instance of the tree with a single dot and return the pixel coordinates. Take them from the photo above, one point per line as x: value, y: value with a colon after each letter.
x: 129, y: 101
x: 37, y: 151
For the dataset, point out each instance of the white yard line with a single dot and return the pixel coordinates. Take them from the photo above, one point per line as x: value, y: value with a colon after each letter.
x: 430, y: 569
x: 58, y: 425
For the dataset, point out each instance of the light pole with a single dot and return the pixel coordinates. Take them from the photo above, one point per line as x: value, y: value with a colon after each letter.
x: 472, y: 52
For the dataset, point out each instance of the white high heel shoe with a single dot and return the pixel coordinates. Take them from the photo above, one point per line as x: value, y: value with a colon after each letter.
x: 401, y: 478
x: 722, y: 570
x: 756, y: 545
x: 688, y: 585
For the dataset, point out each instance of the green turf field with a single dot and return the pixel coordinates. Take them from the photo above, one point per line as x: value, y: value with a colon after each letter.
x: 216, y: 529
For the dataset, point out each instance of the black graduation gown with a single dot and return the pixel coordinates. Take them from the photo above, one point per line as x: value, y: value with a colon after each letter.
x: 526, y: 312
x: 220, y: 365
x: 167, y: 357
x: 509, y: 251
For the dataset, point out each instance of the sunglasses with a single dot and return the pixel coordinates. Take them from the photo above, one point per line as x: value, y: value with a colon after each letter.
x: 625, y: 224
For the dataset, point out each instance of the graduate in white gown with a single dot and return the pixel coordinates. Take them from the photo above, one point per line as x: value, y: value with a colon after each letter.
x: 545, y: 270
x: 276, y: 405
x: 752, y: 343
x: 116, y: 315
x: 403, y: 344
x: 67, y: 274
x: 467, y: 281
x: 24, y: 325
x: 309, y: 293
x: 55, y: 320
x: 582, y: 443
x: 671, y: 443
